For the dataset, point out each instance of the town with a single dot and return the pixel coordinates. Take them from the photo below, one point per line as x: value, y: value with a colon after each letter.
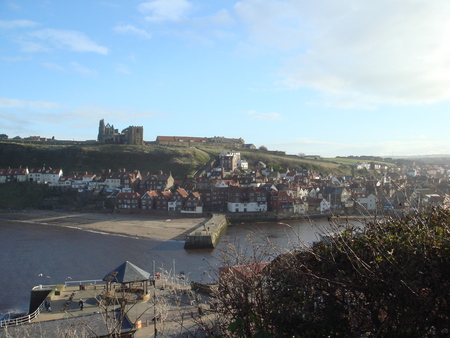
x: 227, y: 185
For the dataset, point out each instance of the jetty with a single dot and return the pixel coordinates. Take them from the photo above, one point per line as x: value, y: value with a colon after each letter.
x: 207, y: 234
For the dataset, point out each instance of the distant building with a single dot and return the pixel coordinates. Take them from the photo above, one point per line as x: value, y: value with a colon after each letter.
x: 191, y: 141
x: 233, y: 142
x: 176, y: 140
x: 107, y: 134
x: 229, y: 160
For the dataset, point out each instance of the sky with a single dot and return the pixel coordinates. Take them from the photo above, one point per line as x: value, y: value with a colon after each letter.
x: 323, y: 77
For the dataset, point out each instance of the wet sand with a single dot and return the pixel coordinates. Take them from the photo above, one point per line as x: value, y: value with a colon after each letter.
x: 147, y: 226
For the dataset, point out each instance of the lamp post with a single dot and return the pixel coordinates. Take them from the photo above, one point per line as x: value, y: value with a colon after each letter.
x: 154, y: 299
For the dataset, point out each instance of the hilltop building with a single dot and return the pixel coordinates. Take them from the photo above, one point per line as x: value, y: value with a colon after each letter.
x: 192, y: 141
x: 107, y: 134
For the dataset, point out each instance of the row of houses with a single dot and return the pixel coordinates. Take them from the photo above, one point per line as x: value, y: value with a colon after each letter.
x: 177, y: 201
x: 133, y: 190
x: 113, y: 180
x: 229, y: 199
x: 239, y: 191
x: 38, y: 175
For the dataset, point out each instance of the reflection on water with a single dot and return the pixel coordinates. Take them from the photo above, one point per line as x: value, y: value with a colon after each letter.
x: 46, y: 254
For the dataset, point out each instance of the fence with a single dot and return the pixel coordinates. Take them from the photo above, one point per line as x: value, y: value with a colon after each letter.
x: 24, y: 319
x: 28, y: 318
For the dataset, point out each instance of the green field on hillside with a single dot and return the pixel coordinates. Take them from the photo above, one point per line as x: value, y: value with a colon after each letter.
x: 350, y: 161
x: 182, y: 161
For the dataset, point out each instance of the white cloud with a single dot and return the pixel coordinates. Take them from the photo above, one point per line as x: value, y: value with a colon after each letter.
x: 219, y: 18
x: 222, y: 17
x: 13, y: 24
x: 15, y: 58
x: 83, y: 70
x: 354, y: 52
x: 73, y: 40
x: 32, y: 47
x: 164, y: 10
x: 17, y: 103
x: 124, y: 69
x: 53, y: 66
x: 264, y: 116
x: 276, y: 23
x: 130, y: 29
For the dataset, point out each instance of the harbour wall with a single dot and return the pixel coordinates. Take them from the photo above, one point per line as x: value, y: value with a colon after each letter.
x: 207, y: 234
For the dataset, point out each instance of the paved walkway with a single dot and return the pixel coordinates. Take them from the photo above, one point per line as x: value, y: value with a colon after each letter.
x: 176, y: 305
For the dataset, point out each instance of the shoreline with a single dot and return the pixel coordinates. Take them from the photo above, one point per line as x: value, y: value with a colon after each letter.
x: 130, y: 225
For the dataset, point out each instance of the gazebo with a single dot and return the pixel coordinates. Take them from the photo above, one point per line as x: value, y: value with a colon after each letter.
x: 126, y: 274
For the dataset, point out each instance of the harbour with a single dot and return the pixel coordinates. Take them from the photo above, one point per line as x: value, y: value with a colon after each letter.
x: 60, y: 313
x: 44, y: 254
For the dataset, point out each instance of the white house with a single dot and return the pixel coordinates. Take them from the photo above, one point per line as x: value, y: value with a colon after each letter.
x: 112, y: 180
x: 14, y: 175
x: 411, y: 172
x: 324, y: 206
x: 51, y: 176
x: 247, y: 207
x: 35, y: 175
x: 369, y: 202
x: 242, y: 164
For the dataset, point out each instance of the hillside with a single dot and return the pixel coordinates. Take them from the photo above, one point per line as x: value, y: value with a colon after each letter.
x: 181, y: 161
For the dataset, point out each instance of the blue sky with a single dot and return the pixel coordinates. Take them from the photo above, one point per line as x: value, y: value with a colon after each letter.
x: 332, y: 78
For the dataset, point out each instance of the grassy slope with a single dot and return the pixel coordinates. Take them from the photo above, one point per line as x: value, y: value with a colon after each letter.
x: 350, y: 161
x: 181, y: 161
x: 279, y: 162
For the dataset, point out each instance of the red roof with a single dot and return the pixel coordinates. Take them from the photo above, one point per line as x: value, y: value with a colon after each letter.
x: 246, y: 271
x: 128, y: 195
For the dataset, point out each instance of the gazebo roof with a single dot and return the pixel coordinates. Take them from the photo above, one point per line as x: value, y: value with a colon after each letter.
x: 127, y: 273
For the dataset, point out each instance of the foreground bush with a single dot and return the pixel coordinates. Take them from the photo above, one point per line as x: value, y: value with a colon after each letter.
x: 391, y: 279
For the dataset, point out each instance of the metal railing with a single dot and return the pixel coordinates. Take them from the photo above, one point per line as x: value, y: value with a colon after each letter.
x: 28, y: 318
x: 85, y: 282
x: 24, y: 319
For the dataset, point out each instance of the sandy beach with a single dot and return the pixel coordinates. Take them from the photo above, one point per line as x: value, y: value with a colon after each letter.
x: 148, y: 226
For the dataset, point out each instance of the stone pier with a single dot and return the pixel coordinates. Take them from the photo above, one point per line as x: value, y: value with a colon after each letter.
x: 207, y: 234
